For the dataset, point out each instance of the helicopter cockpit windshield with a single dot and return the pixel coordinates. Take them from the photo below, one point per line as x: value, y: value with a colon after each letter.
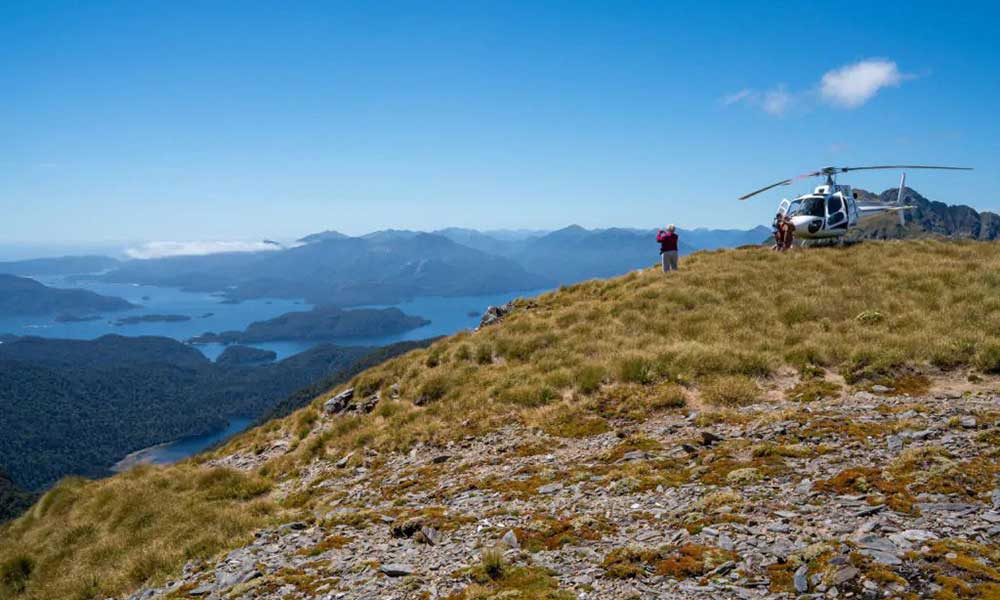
x: 813, y: 206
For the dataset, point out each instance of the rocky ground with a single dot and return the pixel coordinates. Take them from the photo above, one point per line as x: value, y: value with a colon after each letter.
x: 867, y: 495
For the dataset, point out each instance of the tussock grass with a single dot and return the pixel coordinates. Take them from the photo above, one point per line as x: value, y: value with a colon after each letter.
x: 587, y: 356
x: 88, y: 539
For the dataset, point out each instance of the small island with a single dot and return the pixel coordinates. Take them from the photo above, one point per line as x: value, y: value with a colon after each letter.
x: 322, y: 323
x: 151, y: 319
x: 67, y: 318
x: 245, y: 356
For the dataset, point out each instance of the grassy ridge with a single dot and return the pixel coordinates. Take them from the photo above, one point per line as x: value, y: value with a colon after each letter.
x: 572, y: 362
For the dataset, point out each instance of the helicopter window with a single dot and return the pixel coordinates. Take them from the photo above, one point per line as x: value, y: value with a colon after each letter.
x: 813, y: 207
x: 793, y: 208
x: 833, y: 204
x: 837, y: 220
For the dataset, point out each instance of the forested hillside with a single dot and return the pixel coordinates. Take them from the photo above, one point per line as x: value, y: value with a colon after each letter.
x: 76, y: 407
x: 23, y: 296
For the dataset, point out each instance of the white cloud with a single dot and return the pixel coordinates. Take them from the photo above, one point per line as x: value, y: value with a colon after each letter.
x: 744, y: 94
x: 775, y: 101
x: 853, y: 85
x: 849, y: 86
x: 164, y: 249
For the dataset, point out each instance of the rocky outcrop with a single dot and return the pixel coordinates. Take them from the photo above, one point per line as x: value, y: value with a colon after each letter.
x: 344, y: 402
x: 863, y: 495
x: 927, y: 218
x: 495, y: 314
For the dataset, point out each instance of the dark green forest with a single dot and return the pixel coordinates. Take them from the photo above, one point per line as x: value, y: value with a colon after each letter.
x: 75, y: 407
x: 13, y: 500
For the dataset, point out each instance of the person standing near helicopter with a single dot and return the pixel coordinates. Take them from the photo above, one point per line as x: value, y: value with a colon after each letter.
x: 668, y: 248
x: 787, y: 233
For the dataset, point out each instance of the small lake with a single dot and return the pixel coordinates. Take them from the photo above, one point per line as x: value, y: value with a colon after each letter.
x: 171, y: 452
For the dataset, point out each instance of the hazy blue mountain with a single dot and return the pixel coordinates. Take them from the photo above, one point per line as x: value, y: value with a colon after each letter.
x: 76, y: 407
x: 23, y: 296
x: 391, y: 235
x: 575, y: 254
x: 383, y: 268
x: 321, y: 323
x: 486, y: 242
x: 713, y: 239
x: 62, y: 265
x: 322, y: 236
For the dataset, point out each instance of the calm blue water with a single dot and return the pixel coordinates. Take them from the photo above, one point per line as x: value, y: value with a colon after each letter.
x: 160, y: 301
x: 174, y: 451
x: 446, y: 316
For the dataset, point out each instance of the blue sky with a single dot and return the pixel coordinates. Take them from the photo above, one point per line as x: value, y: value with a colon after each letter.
x: 243, y: 120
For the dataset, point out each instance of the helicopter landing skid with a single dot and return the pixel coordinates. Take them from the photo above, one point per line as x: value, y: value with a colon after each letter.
x: 838, y: 242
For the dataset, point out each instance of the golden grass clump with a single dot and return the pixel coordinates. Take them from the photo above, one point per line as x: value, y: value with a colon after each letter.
x: 613, y: 350
x: 87, y: 539
x: 731, y: 390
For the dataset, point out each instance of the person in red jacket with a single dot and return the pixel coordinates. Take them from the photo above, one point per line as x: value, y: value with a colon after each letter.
x: 668, y: 248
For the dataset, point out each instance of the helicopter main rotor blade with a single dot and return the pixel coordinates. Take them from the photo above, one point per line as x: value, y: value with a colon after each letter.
x: 783, y: 182
x: 846, y: 169
x: 830, y: 171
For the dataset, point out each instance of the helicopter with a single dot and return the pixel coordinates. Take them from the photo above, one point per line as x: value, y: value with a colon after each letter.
x: 831, y: 210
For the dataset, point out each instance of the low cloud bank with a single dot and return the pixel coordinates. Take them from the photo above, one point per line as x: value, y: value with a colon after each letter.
x: 165, y: 249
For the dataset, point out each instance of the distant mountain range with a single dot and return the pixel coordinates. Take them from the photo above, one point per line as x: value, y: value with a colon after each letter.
x: 390, y: 266
x: 380, y: 269
x: 76, y: 406
x: 62, y: 265
x: 23, y: 296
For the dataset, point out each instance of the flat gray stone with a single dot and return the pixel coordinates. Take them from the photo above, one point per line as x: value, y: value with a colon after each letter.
x: 885, y: 558
x: 801, y: 579
x: 397, y: 569
x: 843, y: 575
x: 946, y: 507
x: 874, y: 542
x: 550, y: 488
x: 510, y: 540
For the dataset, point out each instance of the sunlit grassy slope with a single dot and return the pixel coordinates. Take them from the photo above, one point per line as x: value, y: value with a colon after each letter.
x: 572, y: 362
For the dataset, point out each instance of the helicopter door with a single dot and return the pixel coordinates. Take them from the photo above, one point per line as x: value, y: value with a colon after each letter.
x: 852, y: 211
x: 836, y: 212
x: 783, y: 207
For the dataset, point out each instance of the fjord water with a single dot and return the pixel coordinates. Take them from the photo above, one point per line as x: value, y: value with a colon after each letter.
x: 208, y: 312
x: 180, y: 449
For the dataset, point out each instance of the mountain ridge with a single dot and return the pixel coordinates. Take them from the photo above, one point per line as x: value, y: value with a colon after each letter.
x: 24, y: 296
